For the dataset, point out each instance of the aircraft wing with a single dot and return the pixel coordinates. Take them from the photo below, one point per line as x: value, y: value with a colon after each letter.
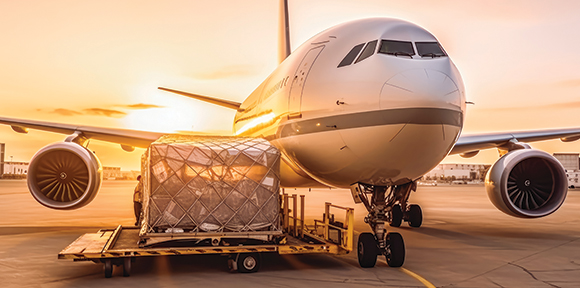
x: 134, y: 138
x: 474, y: 143
x: 127, y: 138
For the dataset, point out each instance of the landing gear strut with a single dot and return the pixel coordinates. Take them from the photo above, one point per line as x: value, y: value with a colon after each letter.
x: 385, y: 204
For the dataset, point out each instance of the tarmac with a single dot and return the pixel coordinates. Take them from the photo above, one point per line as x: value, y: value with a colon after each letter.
x: 464, y: 242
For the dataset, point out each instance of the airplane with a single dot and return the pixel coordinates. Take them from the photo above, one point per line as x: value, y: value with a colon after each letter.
x: 370, y: 105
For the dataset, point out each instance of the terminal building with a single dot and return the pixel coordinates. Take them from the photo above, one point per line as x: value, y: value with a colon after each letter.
x: 112, y: 173
x: 571, y: 162
x: 115, y: 173
x: 15, y: 168
x: 11, y: 169
x: 458, y: 172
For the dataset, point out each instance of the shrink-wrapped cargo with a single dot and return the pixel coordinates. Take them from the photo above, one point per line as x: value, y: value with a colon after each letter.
x: 210, y: 184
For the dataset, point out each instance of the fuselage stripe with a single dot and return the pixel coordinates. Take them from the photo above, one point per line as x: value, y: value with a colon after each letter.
x: 421, y: 116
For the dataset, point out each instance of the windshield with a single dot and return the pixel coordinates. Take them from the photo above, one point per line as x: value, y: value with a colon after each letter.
x: 396, y: 48
x: 368, y: 51
x: 430, y: 49
x: 351, y: 55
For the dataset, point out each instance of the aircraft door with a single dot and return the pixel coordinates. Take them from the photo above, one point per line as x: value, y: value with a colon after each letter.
x: 298, y: 81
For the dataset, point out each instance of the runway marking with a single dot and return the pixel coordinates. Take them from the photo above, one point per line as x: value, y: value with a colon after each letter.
x: 418, y: 277
x: 409, y: 272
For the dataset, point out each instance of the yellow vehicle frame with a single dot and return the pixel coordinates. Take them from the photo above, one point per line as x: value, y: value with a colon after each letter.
x: 121, y: 243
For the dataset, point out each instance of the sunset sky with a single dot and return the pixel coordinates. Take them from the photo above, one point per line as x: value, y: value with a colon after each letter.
x: 99, y: 62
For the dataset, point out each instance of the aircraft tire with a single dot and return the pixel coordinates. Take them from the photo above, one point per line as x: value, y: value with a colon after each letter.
x: 415, y: 216
x: 396, y: 216
x: 395, y: 250
x: 367, y: 250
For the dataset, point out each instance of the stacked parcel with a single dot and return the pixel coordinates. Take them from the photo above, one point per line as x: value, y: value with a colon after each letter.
x: 198, y: 184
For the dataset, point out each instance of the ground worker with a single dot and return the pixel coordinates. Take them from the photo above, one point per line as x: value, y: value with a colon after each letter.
x: 137, y: 200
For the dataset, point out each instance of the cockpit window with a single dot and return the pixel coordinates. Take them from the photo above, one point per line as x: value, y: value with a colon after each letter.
x: 430, y: 49
x: 351, y: 55
x: 368, y: 51
x: 397, y: 48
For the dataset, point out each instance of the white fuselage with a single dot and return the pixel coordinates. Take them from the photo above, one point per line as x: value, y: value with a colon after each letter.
x: 385, y: 120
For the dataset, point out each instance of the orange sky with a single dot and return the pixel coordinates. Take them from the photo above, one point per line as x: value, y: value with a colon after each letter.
x: 93, y: 62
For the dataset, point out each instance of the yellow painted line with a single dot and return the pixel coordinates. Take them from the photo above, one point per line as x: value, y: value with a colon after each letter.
x: 418, y: 277
x: 410, y: 273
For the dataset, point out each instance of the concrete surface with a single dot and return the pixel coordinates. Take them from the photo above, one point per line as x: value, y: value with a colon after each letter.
x: 464, y: 242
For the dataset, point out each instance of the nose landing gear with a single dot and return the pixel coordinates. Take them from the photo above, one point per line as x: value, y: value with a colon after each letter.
x: 384, y: 208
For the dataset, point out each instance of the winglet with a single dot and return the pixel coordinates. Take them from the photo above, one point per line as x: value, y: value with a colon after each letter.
x: 283, y: 32
x: 216, y: 101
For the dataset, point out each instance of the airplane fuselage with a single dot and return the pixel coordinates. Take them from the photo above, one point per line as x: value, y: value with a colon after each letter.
x: 380, y: 118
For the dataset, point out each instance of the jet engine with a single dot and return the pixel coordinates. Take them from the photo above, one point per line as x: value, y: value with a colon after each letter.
x: 64, y: 176
x: 527, y: 183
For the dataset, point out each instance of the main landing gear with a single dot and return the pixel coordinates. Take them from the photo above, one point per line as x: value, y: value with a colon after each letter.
x: 385, y: 204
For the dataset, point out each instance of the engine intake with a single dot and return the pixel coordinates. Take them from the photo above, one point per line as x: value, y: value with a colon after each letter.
x: 64, y: 176
x: 527, y: 183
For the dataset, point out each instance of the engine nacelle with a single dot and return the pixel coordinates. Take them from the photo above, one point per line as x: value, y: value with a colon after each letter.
x: 64, y: 176
x: 527, y: 183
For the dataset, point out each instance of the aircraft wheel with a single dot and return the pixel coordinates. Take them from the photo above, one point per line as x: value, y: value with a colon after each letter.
x: 367, y: 250
x: 396, y: 216
x: 248, y: 262
x: 395, y: 249
x: 415, y: 215
x: 127, y: 267
x: 108, y: 268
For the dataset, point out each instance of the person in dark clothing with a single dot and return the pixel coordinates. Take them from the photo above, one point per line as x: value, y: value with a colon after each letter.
x: 137, y: 200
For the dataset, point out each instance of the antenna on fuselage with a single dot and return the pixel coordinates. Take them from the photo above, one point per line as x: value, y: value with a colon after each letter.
x: 283, y: 32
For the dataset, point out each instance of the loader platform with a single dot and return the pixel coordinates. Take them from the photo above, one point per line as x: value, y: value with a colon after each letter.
x: 120, y: 246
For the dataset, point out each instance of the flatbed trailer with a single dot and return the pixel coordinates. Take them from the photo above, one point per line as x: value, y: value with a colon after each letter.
x: 121, y: 246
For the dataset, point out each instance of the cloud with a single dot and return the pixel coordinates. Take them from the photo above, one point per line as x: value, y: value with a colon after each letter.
x: 227, y: 72
x: 141, y: 106
x: 65, y: 112
x: 101, y: 111
x: 105, y: 112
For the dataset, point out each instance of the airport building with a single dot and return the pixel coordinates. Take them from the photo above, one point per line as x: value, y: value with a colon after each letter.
x: 112, y: 173
x: 11, y: 169
x: 458, y: 172
x: 571, y: 162
x: 115, y: 173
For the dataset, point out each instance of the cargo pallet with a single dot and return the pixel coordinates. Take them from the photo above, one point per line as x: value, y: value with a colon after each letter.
x: 121, y: 246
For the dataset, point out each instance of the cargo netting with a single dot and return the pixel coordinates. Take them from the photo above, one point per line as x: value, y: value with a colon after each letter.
x: 210, y: 184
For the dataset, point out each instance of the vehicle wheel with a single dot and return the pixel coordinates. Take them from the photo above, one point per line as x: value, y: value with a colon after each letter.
x: 395, y: 250
x: 415, y: 215
x: 127, y: 267
x: 367, y: 250
x: 248, y: 263
x: 108, y: 268
x: 396, y: 216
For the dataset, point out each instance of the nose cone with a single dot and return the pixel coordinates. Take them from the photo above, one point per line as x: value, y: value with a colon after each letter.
x: 420, y: 88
